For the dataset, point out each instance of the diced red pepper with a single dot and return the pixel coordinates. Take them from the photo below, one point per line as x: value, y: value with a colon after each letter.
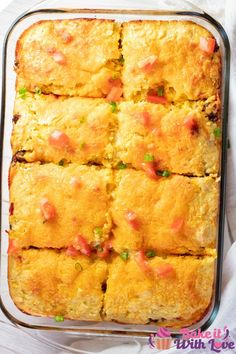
x: 115, y: 82
x: 148, y: 64
x: 156, y: 99
x: 157, y: 132
x: 66, y: 37
x: 191, y: 124
x: 59, y: 139
x: 71, y: 251
x: 47, y: 209
x: 57, y: 56
x: 103, y: 252
x: 163, y: 270
x: 149, y: 169
x: 177, y: 224
x: 142, y: 261
x: 76, y: 182
x: 207, y: 44
x: 132, y: 219
x: 11, y: 209
x: 144, y: 118
x: 114, y: 94
x: 12, y: 247
x: 82, y: 245
x: 96, y: 189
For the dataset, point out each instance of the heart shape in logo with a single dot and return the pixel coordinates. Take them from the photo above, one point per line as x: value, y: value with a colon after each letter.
x: 217, y: 344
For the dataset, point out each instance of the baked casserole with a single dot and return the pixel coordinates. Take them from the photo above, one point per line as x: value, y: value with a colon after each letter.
x: 114, y: 181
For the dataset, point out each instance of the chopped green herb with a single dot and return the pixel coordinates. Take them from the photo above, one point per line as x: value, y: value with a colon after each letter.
x: 78, y: 266
x: 113, y: 107
x: 165, y: 173
x: 217, y: 132
x: 10, y: 226
x: 121, y: 59
x: 82, y: 120
x: 82, y: 146
x: 160, y: 91
x: 61, y: 162
x: 124, y: 255
x: 59, y: 318
x: 99, y: 248
x: 22, y: 92
x: 38, y: 90
x: 121, y: 165
x: 98, y: 231
x: 150, y: 254
x: 148, y: 157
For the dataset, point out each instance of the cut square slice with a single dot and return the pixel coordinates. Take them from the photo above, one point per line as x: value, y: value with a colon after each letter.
x: 50, y: 283
x: 174, y: 214
x: 169, y: 61
x: 175, y: 291
x: 183, y: 139
x: 69, y: 57
x: 57, y: 129
x: 56, y: 206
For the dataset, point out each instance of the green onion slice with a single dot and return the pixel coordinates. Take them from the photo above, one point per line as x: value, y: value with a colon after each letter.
x: 98, y: 231
x: 150, y: 254
x: 160, y: 91
x: 22, y: 92
x: 148, y: 157
x: 217, y: 132
x: 59, y: 318
x: 124, y: 255
x: 113, y: 107
x: 121, y: 166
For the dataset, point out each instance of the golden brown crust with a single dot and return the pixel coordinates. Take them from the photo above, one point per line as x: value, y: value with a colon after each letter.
x: 164, y: 132
x: 179, y: 298
x: 73, y: 287
x: 182, y: 67
x: 58, y: 57
x: 96, y: 134
x: 49, y: 283
x: 176, y: 214
x: 77, y: 193
x: 88, y: 124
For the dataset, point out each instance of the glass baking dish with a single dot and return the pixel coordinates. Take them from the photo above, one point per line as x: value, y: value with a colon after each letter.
x: 59, y: 10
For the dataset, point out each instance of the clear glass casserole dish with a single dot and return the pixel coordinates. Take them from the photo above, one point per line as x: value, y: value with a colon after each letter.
x: 59, y: 10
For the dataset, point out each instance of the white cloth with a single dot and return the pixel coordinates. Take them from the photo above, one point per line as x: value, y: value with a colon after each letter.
x: 227, y: 312
x: 13, y: 340
x: 230, y: 25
